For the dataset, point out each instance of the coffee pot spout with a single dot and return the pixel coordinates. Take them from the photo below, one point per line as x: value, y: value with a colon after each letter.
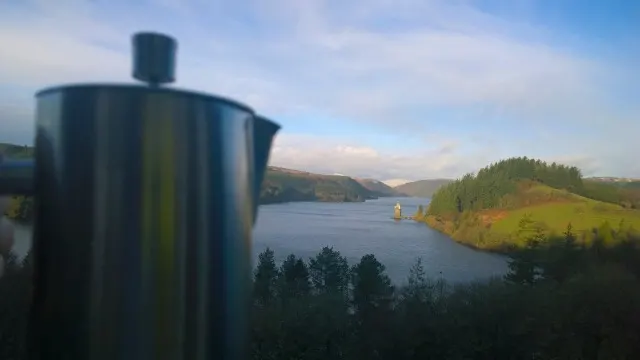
x: 264, y: 131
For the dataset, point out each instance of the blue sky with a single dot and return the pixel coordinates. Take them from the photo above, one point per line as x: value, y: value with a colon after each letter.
x: 390, y: 89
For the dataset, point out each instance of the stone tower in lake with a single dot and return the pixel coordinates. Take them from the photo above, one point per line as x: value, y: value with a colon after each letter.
x: 397, y: 211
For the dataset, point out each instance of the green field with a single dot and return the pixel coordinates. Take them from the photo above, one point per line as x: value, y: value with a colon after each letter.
x: 582, y: 213
x: 582, y: 216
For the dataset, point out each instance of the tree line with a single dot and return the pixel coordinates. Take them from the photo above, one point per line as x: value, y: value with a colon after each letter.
x: 488, y: 187
x: 560, y: 299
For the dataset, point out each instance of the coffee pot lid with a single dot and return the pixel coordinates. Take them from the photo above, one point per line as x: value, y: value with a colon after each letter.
x: 154, y: 64
x: 154, y: 58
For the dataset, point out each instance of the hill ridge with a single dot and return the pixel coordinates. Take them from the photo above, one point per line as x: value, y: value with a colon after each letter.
x: 488, y: 210
x: 289, y: 185
x: 422, y: 188
x: 280, y: 185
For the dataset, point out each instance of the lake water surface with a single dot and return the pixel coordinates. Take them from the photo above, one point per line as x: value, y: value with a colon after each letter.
x: 357, y: 229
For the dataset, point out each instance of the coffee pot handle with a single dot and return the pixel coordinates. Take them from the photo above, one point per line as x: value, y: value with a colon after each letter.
x: 16, y: 177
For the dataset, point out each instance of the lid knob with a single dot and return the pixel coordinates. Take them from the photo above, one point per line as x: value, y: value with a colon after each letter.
x: 154, y: 58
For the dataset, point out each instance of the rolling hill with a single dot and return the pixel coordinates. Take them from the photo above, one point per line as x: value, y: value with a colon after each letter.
x: 286, y: 185
x: 509, y: 202
x: 378, y: 187
x: 422, y: 188
x: 280, y: 185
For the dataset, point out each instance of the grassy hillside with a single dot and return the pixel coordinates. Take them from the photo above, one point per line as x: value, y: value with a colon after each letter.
x: 422, y: 188
x: 508, y: 203
x: 378, y: 187
x: 285, y: 185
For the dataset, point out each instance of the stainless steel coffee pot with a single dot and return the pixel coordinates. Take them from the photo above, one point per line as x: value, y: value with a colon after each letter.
x: 145, y: 197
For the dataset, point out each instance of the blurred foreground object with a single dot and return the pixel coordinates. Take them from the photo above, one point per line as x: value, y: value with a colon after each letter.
x: 145, y: 198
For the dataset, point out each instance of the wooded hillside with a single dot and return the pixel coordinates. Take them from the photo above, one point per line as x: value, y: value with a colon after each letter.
x: 486, y: 210
x: 286, y: 185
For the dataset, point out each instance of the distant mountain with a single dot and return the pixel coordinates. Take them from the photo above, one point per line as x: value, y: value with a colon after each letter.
x: 287, y: 185
x: 378, y: 187
x: 396, y: 182
x: 422, y: 188
x: 627, y: 183
x: 612, y: 179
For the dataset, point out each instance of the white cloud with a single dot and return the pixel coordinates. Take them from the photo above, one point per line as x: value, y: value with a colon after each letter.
x: 316, y: 154
x: 444, y: 160
x: 385, y: 64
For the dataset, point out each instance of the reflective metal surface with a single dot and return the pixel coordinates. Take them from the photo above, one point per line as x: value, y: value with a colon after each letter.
x: 144, y: 210
x: 263, y: 133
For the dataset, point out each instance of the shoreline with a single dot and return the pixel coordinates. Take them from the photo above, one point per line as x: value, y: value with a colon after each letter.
x: 501, y: 252
x: 329, y: 201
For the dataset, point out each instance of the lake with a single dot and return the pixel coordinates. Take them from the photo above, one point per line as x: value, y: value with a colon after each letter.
x: 357, y: 229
